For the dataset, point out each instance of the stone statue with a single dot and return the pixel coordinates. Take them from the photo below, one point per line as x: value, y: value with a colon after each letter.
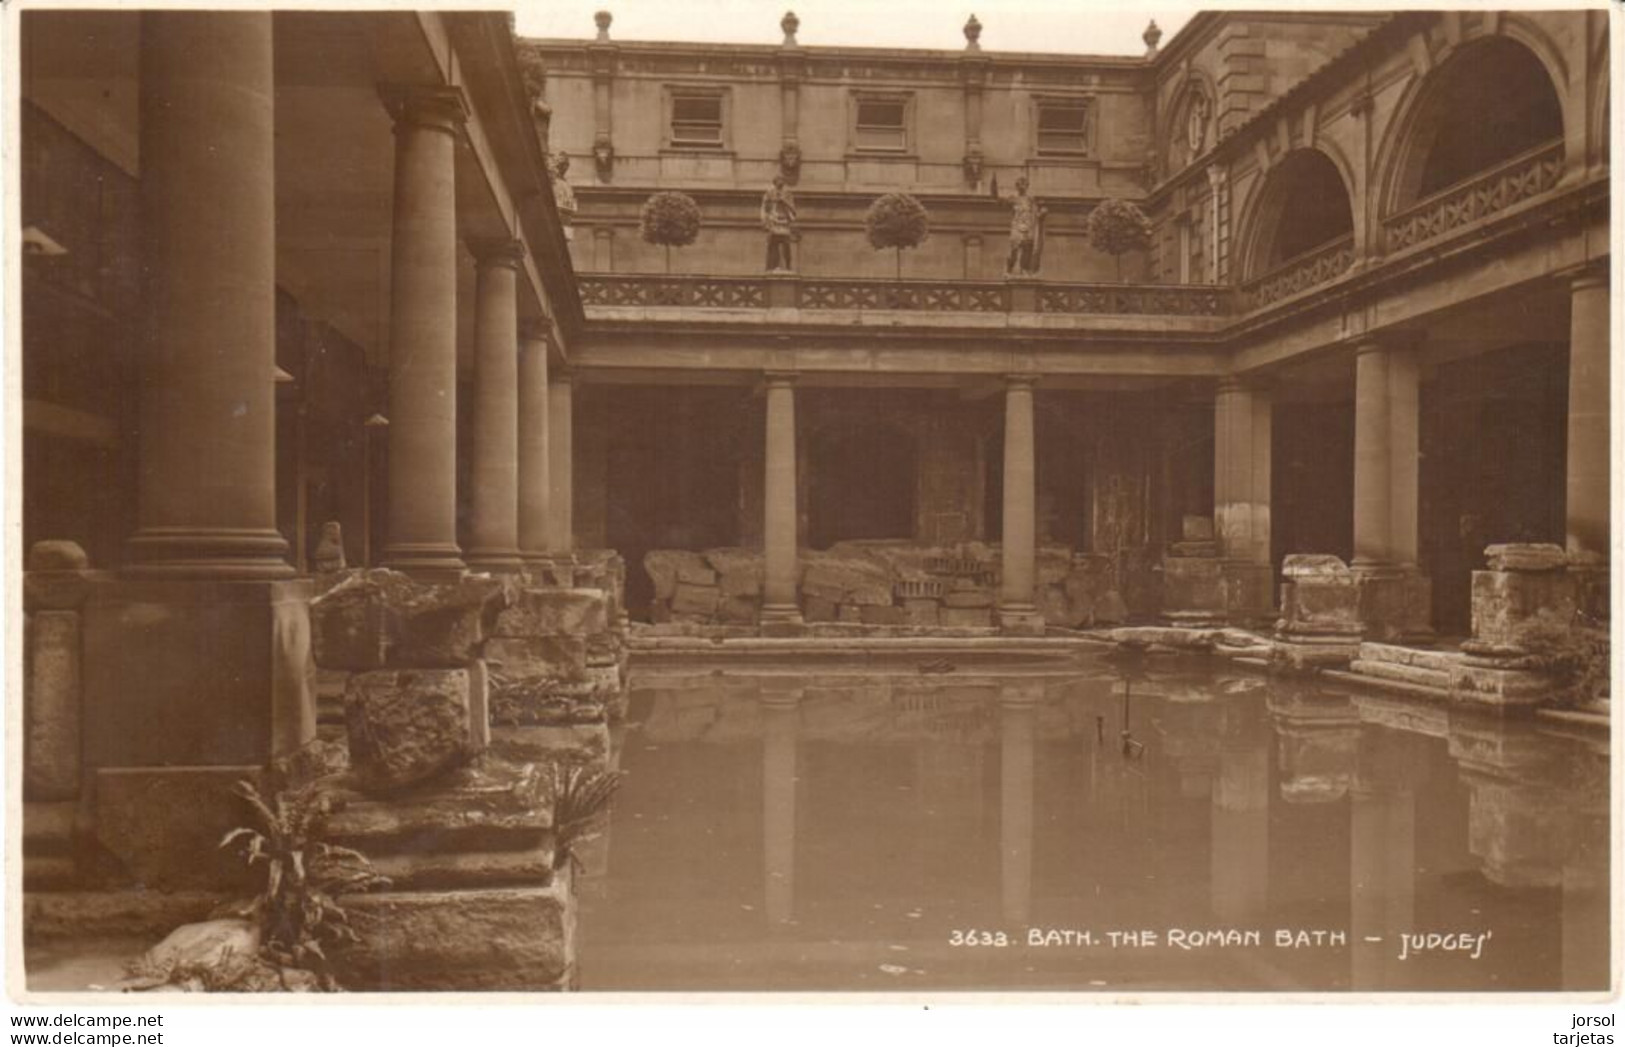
x: 330, y: 548
x: 1026, y: 232
x: 1196, y: 122
x: 779, y: 219
x: 563, y: 195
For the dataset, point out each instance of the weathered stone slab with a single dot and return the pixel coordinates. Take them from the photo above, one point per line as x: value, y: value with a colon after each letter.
x: 52, y: 706
x: 549, y: 612
x: 1526, y: 556
x: 1506, y: 601
x: 739, y: 571
x: 489, y: 803
x: 697, y: 600
x: 847, y: 579
x: 817, y: 609
x: 1314, y: 565
x: 874, y: 614
x: 407, y: 726
x: 586, y: 743
x: 208, y: 943
x: 507, y: 939
x: 164, y: 824
x: 966, y: 617
x: 922, y: 612
x: 739, y: 610
x: 665, y: 565
x: 380, y: 617
x: 563, y: 657
x: 964, y: 598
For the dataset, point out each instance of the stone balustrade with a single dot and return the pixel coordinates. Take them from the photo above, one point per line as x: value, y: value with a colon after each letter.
x: 1307, y: 270
x: 1521, y: 178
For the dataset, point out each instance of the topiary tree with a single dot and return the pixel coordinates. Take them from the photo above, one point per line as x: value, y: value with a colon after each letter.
x: 1118, y: 227
x: 670, y: 220
x: 897, y: 220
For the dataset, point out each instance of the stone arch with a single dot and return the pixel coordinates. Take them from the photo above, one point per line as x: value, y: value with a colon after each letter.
x: 1438, y: 137
x: 1302, y: 203
x: 1176, y: 151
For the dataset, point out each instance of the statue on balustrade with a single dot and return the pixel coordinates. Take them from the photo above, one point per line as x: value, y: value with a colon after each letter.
x: 563, y: 195
x: 1026, y: 233
x: 779, y: 219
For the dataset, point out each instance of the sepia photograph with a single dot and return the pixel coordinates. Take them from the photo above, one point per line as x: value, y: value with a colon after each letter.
x: 612, y: 497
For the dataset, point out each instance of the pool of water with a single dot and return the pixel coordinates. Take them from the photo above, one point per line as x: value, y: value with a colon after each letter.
x: 1106, y: 826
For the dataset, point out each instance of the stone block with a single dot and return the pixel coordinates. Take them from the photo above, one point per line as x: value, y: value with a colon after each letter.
x: 554, y: 612
x: 56, y: 555
x: 1505, y: 601
x: 695, y: 573
x: 847, y: 579
x: 1526, y: 556
x: 408, y: 725
x: 529, y: 700
x: 699, y: 601
x: 1052, y: 565
x: 586, y: 743
x: 375, y: 618
x: 163, y: 825
x: 195, y: 673
x: 516, y: 939
x: 1314, y: 565
x: 1247, y: 591
x: 818, y: 609
x: 850, y: 613
x: 739, y: 571
x: 1057, y: 609
x: 52, y: 706
x: 966, y: 617
x: 665, y: 565
x: 1192, y: 589
x: 873, y: 614
x: 1110, y: 608
x: 967, y: 598
x: 922, y: 612
x: 563, y: 657
x: 489, y: 803
x: 738, y: 610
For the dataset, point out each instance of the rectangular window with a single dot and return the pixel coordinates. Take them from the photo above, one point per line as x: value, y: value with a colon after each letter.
x: 1063, y: 128
x: 882, y: 125
x: 696, y: 121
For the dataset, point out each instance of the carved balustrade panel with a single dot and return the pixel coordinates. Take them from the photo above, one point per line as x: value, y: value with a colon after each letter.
x: 1301, y: 273
x: 1135, y: 299
x: 1521, y: 178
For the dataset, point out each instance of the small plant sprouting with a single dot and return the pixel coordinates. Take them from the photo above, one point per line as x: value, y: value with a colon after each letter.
x: 581, y: 798
x: 298, y: 916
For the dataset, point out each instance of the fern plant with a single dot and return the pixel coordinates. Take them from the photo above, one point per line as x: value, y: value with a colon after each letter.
x: 581, y: 799
x: 297, y: 911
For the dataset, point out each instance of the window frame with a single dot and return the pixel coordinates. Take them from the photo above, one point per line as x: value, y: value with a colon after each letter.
x: 905, y: 130
x: 719, y: 93
x: 1083, y: 103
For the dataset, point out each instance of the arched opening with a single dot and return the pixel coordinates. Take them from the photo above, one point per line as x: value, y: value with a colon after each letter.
x: 1304, y: 206
x: 861, y: 484
x: 1488, y: 103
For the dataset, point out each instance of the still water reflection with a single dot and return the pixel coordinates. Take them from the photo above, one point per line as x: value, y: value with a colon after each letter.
x: 1116, y: 826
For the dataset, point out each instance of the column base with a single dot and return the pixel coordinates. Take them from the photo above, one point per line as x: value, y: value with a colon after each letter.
x: 781, y: 620
x: 425, y: 562
x: 199, y: 553
x: 1020, y: 620
x: 1395, y: 604
x: 496, y: 561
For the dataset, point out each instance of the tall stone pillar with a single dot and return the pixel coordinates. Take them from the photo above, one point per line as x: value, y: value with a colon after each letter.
x: 422, y: 514
x: 780, y: 611
x: 1372, y: 478
x: 535, y: 469
x: 1395, y: 599
x: 207, y: 488
x: 560, y: 452
x: 1588, y: 481
x: 1241, y: 498
x: 1017, y: 613
x: 494, y: 529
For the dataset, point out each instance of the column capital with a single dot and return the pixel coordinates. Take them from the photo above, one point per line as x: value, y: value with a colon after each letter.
x: 1586, y: 275
x: 1243, y: 383
x: 1390, y: 341
x: 1017, y: 381
x: 561, y: 376
x: 436, y: 108
x: 535, y: 329
x: 780, y: 378
x: 497, y: 251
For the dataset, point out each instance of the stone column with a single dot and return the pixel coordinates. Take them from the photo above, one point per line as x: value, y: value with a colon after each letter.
x: 207, y: 471
x: 1588, y: 481
x: 535, y: 469
x: 1241, y: 499
x: 560, y: 452
x: 1373, y: 485
x: 494, y: 529
x: 422, y: 513
x: 1017, y: 613
x: 780, y: 611
x: 1395, y: 598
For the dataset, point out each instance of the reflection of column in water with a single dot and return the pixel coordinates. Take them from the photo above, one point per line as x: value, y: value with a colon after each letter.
x: 781, y: 712
x: 1585, y: 901
x: 1382, y: 858
x: 1016, y: 715
x: 1239, y: 873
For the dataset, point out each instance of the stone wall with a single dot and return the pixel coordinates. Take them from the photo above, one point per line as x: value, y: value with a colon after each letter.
x: 884, y: 583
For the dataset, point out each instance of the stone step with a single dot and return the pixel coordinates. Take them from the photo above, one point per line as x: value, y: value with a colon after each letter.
x: 1416, y: 675
x: 1394, y: 654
